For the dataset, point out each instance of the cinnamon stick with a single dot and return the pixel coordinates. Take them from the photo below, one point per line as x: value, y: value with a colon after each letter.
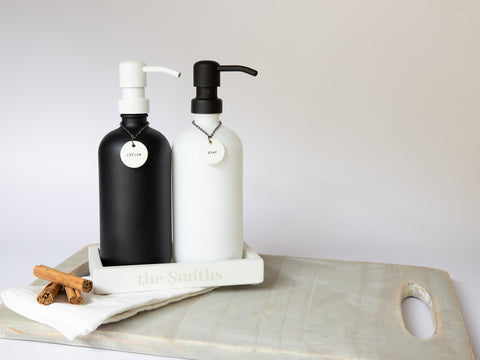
x: 74, y: 296
x: 48, y: 293
x: 59, y: 277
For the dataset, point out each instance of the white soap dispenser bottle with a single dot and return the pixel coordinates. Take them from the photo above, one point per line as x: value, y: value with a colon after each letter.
x: 207, y: 166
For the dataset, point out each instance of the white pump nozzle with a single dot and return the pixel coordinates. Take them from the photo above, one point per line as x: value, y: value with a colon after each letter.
x: 162, y: 70
x: 133, y: 81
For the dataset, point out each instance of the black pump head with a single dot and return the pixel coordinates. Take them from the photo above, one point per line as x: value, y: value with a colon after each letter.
x: 206, y: 78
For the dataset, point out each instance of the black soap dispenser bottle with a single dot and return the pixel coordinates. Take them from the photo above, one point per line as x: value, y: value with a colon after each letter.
x: 134, y: 163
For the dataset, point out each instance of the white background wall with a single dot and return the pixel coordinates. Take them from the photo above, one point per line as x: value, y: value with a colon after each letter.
x: 360, y: 131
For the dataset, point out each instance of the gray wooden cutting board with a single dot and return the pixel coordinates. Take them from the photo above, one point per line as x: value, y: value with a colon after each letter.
x: 305, y: 309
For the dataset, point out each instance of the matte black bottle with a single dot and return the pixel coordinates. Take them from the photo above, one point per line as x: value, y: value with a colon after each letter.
x: 135, y: 202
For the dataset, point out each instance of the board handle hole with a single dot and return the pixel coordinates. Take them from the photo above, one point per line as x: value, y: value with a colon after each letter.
x: 417, y: 311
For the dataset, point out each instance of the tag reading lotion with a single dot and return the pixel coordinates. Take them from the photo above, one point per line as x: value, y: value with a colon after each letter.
x: 213, y: 152
x: 134, y: 154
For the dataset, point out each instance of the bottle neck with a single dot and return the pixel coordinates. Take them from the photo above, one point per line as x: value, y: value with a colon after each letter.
x: 134, y: 121
x: 208, y: 122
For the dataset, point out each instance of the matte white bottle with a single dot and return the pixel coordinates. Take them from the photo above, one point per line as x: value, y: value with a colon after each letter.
x: 207, y: 195
x: 208, y: 199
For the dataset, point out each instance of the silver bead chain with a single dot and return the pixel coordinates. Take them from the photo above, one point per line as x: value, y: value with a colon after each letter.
x: 206, y: 133
x: 133, y: 137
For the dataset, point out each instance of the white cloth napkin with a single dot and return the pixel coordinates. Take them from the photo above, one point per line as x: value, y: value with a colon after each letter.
x: 74, y: 320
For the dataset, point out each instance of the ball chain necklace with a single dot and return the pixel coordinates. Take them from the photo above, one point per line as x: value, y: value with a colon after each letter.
x: 213, y: 151
x: 134, y: 155
x: 209, y: 136
x: 132, y: 136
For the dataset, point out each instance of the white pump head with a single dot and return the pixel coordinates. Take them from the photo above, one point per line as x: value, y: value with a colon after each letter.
x: 133, y: 80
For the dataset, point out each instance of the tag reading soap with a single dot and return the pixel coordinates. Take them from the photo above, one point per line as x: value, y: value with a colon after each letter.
x: 213, y: 152
x: 134, y: 154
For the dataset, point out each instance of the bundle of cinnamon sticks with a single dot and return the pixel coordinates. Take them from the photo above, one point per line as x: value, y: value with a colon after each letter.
x: 72, y: 284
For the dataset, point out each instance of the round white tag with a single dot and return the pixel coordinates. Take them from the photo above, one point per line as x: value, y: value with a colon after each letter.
x: 134, y: 154
x: 213, y: 152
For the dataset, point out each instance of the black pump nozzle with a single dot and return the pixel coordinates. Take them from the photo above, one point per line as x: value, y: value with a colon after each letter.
x: 206, y: 78
x: 241, y: 68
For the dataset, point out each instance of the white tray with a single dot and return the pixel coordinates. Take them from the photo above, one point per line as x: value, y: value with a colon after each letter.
x: 150, y: 277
